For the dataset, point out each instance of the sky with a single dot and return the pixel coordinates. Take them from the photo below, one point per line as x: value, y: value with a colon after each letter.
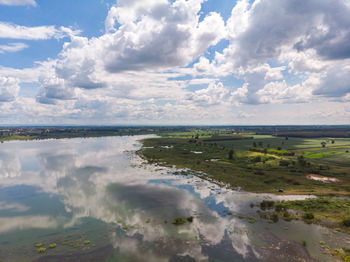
x: 187, y: 62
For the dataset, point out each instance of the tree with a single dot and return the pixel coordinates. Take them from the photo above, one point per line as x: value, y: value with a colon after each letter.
x: 230, y: 154
x: 254, y: 144
x: 301, y: 160
x: 286, y: 137
x: 333, y: 141
x: 323, y: 143
x: 260, y: 144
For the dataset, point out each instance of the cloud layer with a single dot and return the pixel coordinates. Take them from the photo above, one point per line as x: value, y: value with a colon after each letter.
x: 163, y: 62
x: 18, y: 2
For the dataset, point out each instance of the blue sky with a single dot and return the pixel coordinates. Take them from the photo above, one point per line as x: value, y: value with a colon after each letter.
x: 174, y: 62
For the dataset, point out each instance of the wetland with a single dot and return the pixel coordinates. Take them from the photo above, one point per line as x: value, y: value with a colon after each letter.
x: 109, y: 199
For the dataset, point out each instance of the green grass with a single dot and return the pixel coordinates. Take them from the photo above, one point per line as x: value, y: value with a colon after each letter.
x: 315, y: 155
x: 15, y: 137
x: 323, y: 209
x: 252, y: 171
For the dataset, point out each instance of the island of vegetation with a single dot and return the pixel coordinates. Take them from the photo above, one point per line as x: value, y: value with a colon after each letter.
x: 279, y: 160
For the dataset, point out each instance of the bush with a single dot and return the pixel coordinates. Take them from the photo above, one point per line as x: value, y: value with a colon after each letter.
x: 308, y: 215
x: 284, y: 163
x: 274, y: 217
x: 256, y: 159
x: 346, y: 222
x: 190, y: 219
x: 267, y: 204
x: 179, y: 221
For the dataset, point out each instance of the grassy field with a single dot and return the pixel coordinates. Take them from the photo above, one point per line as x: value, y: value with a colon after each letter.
x: 15, y: 137
x: 257, y: 171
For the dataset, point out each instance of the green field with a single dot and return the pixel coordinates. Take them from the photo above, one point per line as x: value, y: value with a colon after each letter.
x: 264, y: 171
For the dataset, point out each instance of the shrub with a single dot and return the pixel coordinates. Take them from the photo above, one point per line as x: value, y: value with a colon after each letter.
x: 308, y: 215
x: 274, y: 217
x: 346, y: 222
x: 256, y: 159
x: 179, y: 221
x: 284, y: 163
x: 41, y: 250
x: 286, y: 214
x: 251, y: 220
x: 279, y: 207
x: 267, y: 204
x: 190, y: 219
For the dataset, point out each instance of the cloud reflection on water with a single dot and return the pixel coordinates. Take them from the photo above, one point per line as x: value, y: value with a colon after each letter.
x: 97, y: 178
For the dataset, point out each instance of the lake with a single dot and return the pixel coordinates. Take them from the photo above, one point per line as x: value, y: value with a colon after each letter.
x: 95, y: 200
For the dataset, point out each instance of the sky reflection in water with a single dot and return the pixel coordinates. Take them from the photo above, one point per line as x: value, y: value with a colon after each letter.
x: 98, y: 188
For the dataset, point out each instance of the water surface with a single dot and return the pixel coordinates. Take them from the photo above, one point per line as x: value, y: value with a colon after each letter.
x: 97, y: 201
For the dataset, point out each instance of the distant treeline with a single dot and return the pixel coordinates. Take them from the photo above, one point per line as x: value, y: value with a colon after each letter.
x: 314, y: 134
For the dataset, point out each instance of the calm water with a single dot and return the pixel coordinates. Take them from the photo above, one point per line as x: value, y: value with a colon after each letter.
x: 96, y: 200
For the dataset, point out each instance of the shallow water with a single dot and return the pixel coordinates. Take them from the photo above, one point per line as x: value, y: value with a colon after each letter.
x: 97, y: 201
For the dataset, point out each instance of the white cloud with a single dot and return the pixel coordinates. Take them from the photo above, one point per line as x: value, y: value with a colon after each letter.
x: 18, y: 2
x: 158, y: 34
x: 215, y: 94
x: 12, y: 31
x: 12, y: 47
x: 280, y: 51
x: 275, y: 92
x: 9, y: 89
x: 152, y: 37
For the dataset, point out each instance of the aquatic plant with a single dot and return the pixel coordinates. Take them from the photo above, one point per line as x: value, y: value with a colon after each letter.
x: 86, y: 242
x: 251, y: 220
x: 190, y: 219
x: 274, y: 217
x: 308, y: 215
x: 53, y: 245
x: 179, y: 221
x: 267, y: 204
x: 38, y: 245
x: 41, y: 250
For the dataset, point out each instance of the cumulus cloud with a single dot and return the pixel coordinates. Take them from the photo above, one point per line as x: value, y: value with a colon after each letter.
x: 215, y: 94
x: 154, y: 53
x: 307, y: 39
x: 18, y: 2
x: 55, y: 89
x: 9, y: 89
x: 12, y: 47
x: 335, y: 83
x: 152, y: 36
x: 269, y: 26
x: 158, y: 34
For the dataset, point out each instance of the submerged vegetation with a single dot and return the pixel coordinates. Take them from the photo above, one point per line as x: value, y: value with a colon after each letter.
x: 333, y: 213
x: 182, y: 220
